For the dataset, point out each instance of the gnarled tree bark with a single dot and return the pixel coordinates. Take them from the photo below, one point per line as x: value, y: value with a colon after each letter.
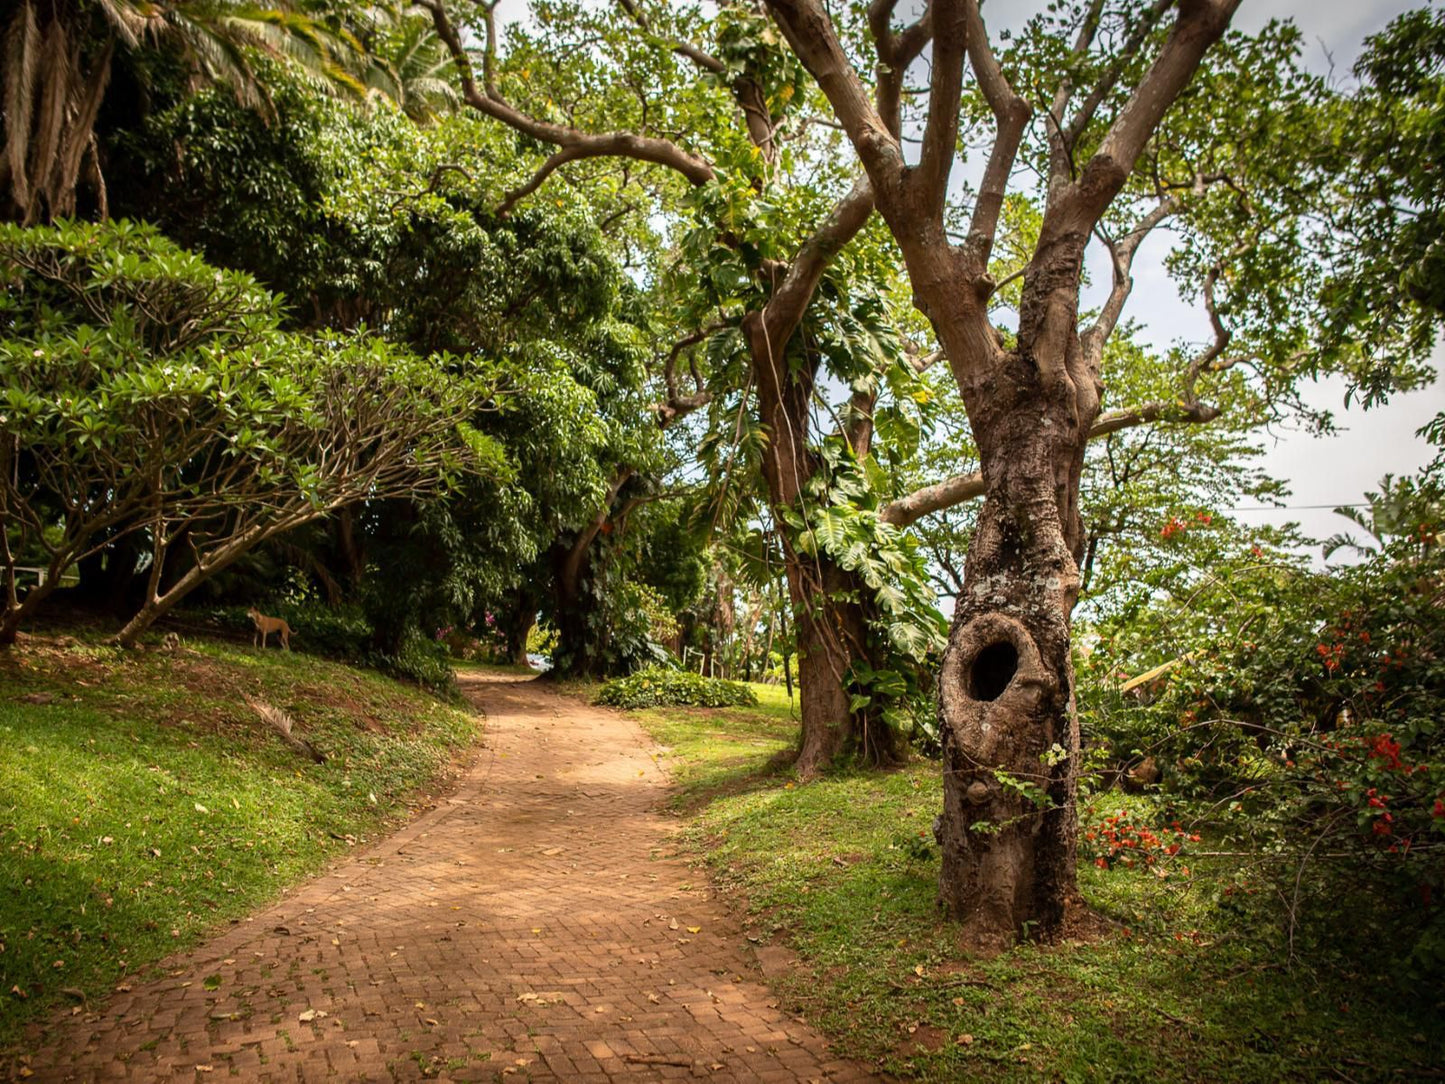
x: 1009, y: 730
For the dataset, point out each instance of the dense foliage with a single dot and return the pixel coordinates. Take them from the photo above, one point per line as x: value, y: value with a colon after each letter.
x: 1300, y: 724
x: 657, y: 686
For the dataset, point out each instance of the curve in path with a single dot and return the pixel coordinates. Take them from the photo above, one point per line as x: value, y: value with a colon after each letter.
x: 534, y: 925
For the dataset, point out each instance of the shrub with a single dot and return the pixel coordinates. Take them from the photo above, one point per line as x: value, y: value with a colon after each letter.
x: 655, y: 686
x: 421, y: 659
x: 1301, y: 727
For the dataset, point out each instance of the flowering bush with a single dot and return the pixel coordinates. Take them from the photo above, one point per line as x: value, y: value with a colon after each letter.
x: 1119, y: 839
x: 1301, y: 727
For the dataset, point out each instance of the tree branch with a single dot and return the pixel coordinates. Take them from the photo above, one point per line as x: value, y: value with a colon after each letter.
x: 1122, y: 252
x: 1011, y: 113
x: 703, y: 60
x: 951, y: 32
x: 1068, y: 135
x: 895, y: 53
x: 809, y: 30
x: 790, y: 298
x: 1199, y: 25
x: 964, y: 487
x: 577, y: 143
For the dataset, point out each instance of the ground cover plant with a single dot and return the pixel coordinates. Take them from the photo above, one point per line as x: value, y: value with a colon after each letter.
x: 143, y: 801
x: 1169, y: 986
x: 658, y: 685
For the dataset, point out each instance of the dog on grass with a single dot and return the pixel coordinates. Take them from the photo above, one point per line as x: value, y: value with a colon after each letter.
x: 267, y: 625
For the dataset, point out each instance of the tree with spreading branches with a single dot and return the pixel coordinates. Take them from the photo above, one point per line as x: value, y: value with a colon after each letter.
x: 1115, y: 120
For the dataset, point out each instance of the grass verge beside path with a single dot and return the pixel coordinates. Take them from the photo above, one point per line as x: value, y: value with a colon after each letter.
x: 142, y: 802
x: 844, y: 872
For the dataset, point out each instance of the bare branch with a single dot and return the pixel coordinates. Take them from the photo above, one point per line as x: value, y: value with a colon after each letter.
x: 809, y: 30
x: 576, y: 143
x: 934, y: 498
x: 1060, y: 152
x: 1122, y: 252
x: 1011, y: 113
x: 703, y: 60
x: 1199, y: 25
x: 951, y: 33
x: 557, y: 158
x: 678, y: 405
x: 1068, y: 136
x: 790, y: 297
x: 964, y: 487
x: 895, y: 53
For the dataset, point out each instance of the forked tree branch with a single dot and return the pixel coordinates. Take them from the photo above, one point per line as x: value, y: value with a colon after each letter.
x: 573, y: 143
x: 1011, y: 114
x: 1199, y: 24
x: 1066, y: 138
x: 809, y: 30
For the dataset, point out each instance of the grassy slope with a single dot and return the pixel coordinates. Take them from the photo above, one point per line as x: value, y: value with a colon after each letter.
x: 844, y: 871
x: 145, y: 802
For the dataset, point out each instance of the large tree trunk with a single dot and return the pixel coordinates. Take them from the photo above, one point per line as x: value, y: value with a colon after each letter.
x: 577, y: 654
x: 832, y: 634
x: 831, y: 625
x: 1006, y: 691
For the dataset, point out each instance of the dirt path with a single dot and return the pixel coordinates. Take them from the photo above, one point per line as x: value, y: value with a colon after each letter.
x: 532, y: 926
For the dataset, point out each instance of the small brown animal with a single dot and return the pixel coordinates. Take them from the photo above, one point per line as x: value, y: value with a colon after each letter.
x: 266, y: 625
x: 1144, y: 774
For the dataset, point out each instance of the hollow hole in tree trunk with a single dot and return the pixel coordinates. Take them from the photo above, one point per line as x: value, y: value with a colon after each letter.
x: 993, y: 668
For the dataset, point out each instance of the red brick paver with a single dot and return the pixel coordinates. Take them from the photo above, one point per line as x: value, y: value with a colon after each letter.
x: 533, y: 926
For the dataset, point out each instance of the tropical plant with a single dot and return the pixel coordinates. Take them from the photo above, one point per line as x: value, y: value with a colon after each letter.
x: 59, y: 58
x: 146, y: 391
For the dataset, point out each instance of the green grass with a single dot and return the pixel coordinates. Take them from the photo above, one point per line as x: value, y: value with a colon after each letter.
x: 145, y: 802
x: 844, y: 872
x: 724, y: 750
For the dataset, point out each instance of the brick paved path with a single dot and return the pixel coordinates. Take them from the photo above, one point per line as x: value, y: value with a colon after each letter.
x: 532, y: 926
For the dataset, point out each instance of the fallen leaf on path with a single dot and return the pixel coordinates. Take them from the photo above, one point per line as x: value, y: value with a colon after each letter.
x: 672, y: 924
x: 205, y: 1068
x: 694, y: 929
x: 312, y: 1014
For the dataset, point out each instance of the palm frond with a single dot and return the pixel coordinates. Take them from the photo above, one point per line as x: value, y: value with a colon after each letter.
x: 22, y: 49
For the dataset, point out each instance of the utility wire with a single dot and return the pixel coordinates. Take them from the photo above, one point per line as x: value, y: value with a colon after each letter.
x: 1297, y: 507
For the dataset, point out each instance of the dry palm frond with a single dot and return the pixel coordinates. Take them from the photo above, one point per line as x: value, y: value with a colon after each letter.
x: 131, y: 23
x: 22, y: 63
x: 57, y: 61
x: 283, y: 725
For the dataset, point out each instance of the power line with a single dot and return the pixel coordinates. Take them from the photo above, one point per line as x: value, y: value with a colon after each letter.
x: 1298, y: 507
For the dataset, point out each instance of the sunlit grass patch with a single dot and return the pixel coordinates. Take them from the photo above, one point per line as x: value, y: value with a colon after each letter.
x: 142, y: 801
